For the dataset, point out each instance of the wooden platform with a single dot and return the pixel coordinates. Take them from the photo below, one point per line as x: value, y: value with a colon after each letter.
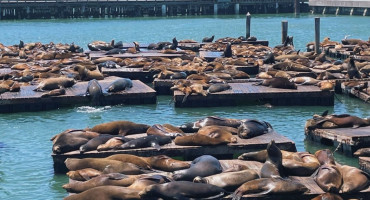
x: 353, y: 92
x: 364, y: 163
x: 131, y: 73
x: 186, y: 152
x: 29, y: 100
x: 100, y: 54
x: 247, y: 93
x: 350, y: 139
x: 210, y: 55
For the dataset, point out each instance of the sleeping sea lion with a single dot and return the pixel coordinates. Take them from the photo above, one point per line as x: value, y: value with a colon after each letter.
x: 119, y: 85
x: 113, y: 143
x: 106, y: 193
x: 208, y: 121
x: 160, y: 130
x: 71, y: 140
x: 252, y: 128
x: 362, y: 152
x: 120, y: 128
x: 83, y: 174
x: 218, y: 87
x: 139, y: 161
x: 165, y: 163
x: 354, y: 179
x: 92, y: 144
x: 279, y: 82
x: 154, y: 141
x: 55, y: 83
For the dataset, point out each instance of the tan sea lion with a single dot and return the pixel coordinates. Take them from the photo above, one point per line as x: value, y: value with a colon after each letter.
x: 229, y: 180
x: 208, y: 121
x: 263, y: 75
x: 141, y: 183
x: 92, y: 144
x: 83, y: 174
x: 158, y: 129
x: 55, y: 92
x: 106, y: 193
x: 111, y: 144
x: 165, y: 163
x: 139, y: 161
x: 346, y: 120
x: 325, y: 156
x: 120, y: 128
x: 218, y: 132
x: 199, y: 140
x: 55, y: 83
x: 362, y: 152
x: 326, y: 85
x: 354, y: 180
x: 283, y: 74
x: 105, y: 59
x: 279, y: 82
x: 328, y: 196
x: 207, y: 129
x: 87, y: 75
x: 304, y: 80
x: 329, y: 178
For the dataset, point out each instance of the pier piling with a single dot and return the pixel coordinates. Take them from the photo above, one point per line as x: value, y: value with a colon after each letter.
x: 284, y: 30
x: 317, y: 35
x: 215, y: 9
x: 248, y: 25
x: 297, y: 9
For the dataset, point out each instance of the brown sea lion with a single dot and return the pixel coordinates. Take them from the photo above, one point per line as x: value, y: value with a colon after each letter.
x: 112, y: 144
x: 143, y: 182
x: 55, y: 92
x: 87, y: 75
x: 101, y: 180
x: 346, y: 120
x: 206, y: 129
x: 325, y: 156
x: 328, y: 196
x: 326, y: 85
x: 106, y: 193
x: 158, y: 129
x: 83, y: 174
x: 282, y: 74
x: 155, y: 141
x: 120, y: 128
x: 279, y: 82
x: 218, y: 87
x: 139, y: 161
x: 105, y: 59
x: 119, y: 85
x: 165, y: 163
x: 269, y: 186
x: 329, y: 178
x: 252, y: 128
x: 354, y: 179
x: 362, y: 152
x: 55, y: 83
x: 352, y: 70
x: 182, y: 190
x: 202, y: 166
x: 201, y: 140
x: 273, y: 167
x: 263, y: 75
x: 92, y: 144
x: 71, y: 140
x: 228, y: 180
x: 103, y: 165
x: 218, y: 132
x: 208, y: 121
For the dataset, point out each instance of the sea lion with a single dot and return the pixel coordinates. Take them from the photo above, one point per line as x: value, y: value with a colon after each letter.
x: 154, y: 141
x: 178, y: 75
x: 55, y: 83
x: 328, y: 177
x: 120, y: 128
x: 209, y: 121
x: 228, y: 53
x: 119, y: 85
x: 273, y: 167
x: 228, y: 180
x: 160, y: 130
x: 165, y: 163
x: 113, y: 143
x: 304, y: 80
x: 220, y: 132
x: 106, y: 193
x: 94, y: 92
x: 100, y: 45
x: 362, y: 152
x: 325, y: 156
x: 134, y: 49
x: 279, y: 82
x: 326, y: 85
x: 101, y: 180
x: 109, y: 64
x: 263, y: 75
x: 352, y: 69
x: 218, y: 138
x: 202, y: 166
x: 83, y: 174
x: 182, y: 190
x: 218, y: 87
x: 328, y: 196
x: 282, y: 74
x: 143, y: 182
x: 103, y: 165
x: 71, y: 140
x: 261, y: 156
x: 87, y: 75
x: 354, y: 180
x: 346, y: 120
x: 269, y: 59
x: 139, y: 161
x: 53, y: 93
x: 208, y: 39
x: 269, y: 186
x: 115, y: 51
x: 92, y: 144
x: 252, y: 128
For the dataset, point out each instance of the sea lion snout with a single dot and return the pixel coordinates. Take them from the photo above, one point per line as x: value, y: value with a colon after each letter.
x: 199, y: 179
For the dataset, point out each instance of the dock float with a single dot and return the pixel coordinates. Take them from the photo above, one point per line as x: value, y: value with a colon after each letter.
x: 247, y: 93
x: 354, y: 92
x: 186, y: 152
x: 364, y: 163
x: 131, y: 73
x: 210, y: 55
x: 145, y: 54
x: 349, y: 139
x: 29, y: 100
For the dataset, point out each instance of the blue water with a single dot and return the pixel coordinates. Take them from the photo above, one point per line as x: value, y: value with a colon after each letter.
x: 26, y: 167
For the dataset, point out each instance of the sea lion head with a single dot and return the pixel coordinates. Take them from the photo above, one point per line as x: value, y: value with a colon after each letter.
x: 149, y: 191
x: 199, y: 179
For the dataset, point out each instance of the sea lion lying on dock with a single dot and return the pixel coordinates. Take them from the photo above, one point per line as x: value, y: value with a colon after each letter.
x: 119, y: 85
x: 165, y: 130
x: 95, y: 142
x: 71, y: 140
x: 113, y: 143
x: 209, y: 121
x: 55, y: 83
x: 252, y: 128
x: 107, y: 193
x: 155, y: 141
x: 328, y: 177
x: 139, y: 161
x: 208, y: 135
x: 278, y: 82
x: 340, y: 121
x: 165, y: 163
x: 83, y: 174
x: 354, y: 179
x: 120, y: 128
x: 362, y: 152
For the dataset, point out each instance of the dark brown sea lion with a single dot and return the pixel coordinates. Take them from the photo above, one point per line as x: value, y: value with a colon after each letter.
x: 119, y: 85
x: 345, y: 120
x: 154, y: 141
x: 228, y: 180
x: 269, y: 186
x: 325, y: 156
x: 165, y: 163
x: 279, y: 82
x: 95, y: 142
x: 94, y: 92
x: 120, y: 128
x: 202, y: 166
x: 55, y: 83
x: 102, y: 180
x: 182, y: 190
x: 354, y: 179
x: 103, y: 165
x: 139, y: 161
x: 71, y: 140
x: 252, y: 128
x: 352, y: 70
x: 218, y: 87
x: 208, y: 39
x: 106, y: 193
x: 160, y: 130
x: 83, y: 174
x: 329, y: 178
x: 228, y: 53
x: 55, y: 92
x: 209, y: 121
x: 143, y: 182
x: 328, y: 196
x: 273, y: 167
x: 363, y: 152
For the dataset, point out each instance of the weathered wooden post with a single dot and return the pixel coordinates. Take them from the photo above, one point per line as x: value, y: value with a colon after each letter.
x: 164, y: 10
x: 284, y: 31
x: 248, y: 25
x: 215, y: 9
x: 297, y: 9
x: 317, y: 35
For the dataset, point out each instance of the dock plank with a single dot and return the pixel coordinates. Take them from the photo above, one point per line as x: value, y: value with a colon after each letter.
x: 29, y: 100
x: 100, y: 54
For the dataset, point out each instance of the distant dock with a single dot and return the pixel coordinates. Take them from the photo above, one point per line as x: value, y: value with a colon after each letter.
x: 340, y: 7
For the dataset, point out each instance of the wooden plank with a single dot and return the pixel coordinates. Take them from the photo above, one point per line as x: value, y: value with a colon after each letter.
x: 242, y: 93
x: 187, y: 152
x: 100, y: 54
x: 29, y: 100
x: 210, y: 55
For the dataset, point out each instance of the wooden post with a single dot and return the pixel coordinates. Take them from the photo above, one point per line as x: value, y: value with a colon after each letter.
x: 317, y: 35
x: 284, y: 31
x: 297, y: 9
x: 248, y: 25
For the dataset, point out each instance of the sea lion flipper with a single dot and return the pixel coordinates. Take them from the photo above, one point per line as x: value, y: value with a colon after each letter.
x: 325, y: 113
x: 156, y: 146
x: 117, y: 176
x: 356, y: 126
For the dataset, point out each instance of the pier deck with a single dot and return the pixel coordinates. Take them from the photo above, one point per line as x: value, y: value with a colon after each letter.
x: 350, y: 139
x: 186, y: 152
x: 247, y: 93
x: 29, y: 100
x: 131, y: 73
x: 364, y: 163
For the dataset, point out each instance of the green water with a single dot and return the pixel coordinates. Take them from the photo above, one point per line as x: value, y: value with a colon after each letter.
x: 26, y: 167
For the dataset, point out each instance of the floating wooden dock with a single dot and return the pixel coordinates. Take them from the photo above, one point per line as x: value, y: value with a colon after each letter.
x: 350, y: 139
x: 29, y: 100
x: 247, y: 93
x: 145, y: 54
x: 131, y: 73
x: 187, y: 152
x: 353, y: 92
x: 210, y: 55
x: 364, y: 163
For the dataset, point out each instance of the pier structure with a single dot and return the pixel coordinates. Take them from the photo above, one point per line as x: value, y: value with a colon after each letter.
x: 35, y: 9
x: 340, y: 7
